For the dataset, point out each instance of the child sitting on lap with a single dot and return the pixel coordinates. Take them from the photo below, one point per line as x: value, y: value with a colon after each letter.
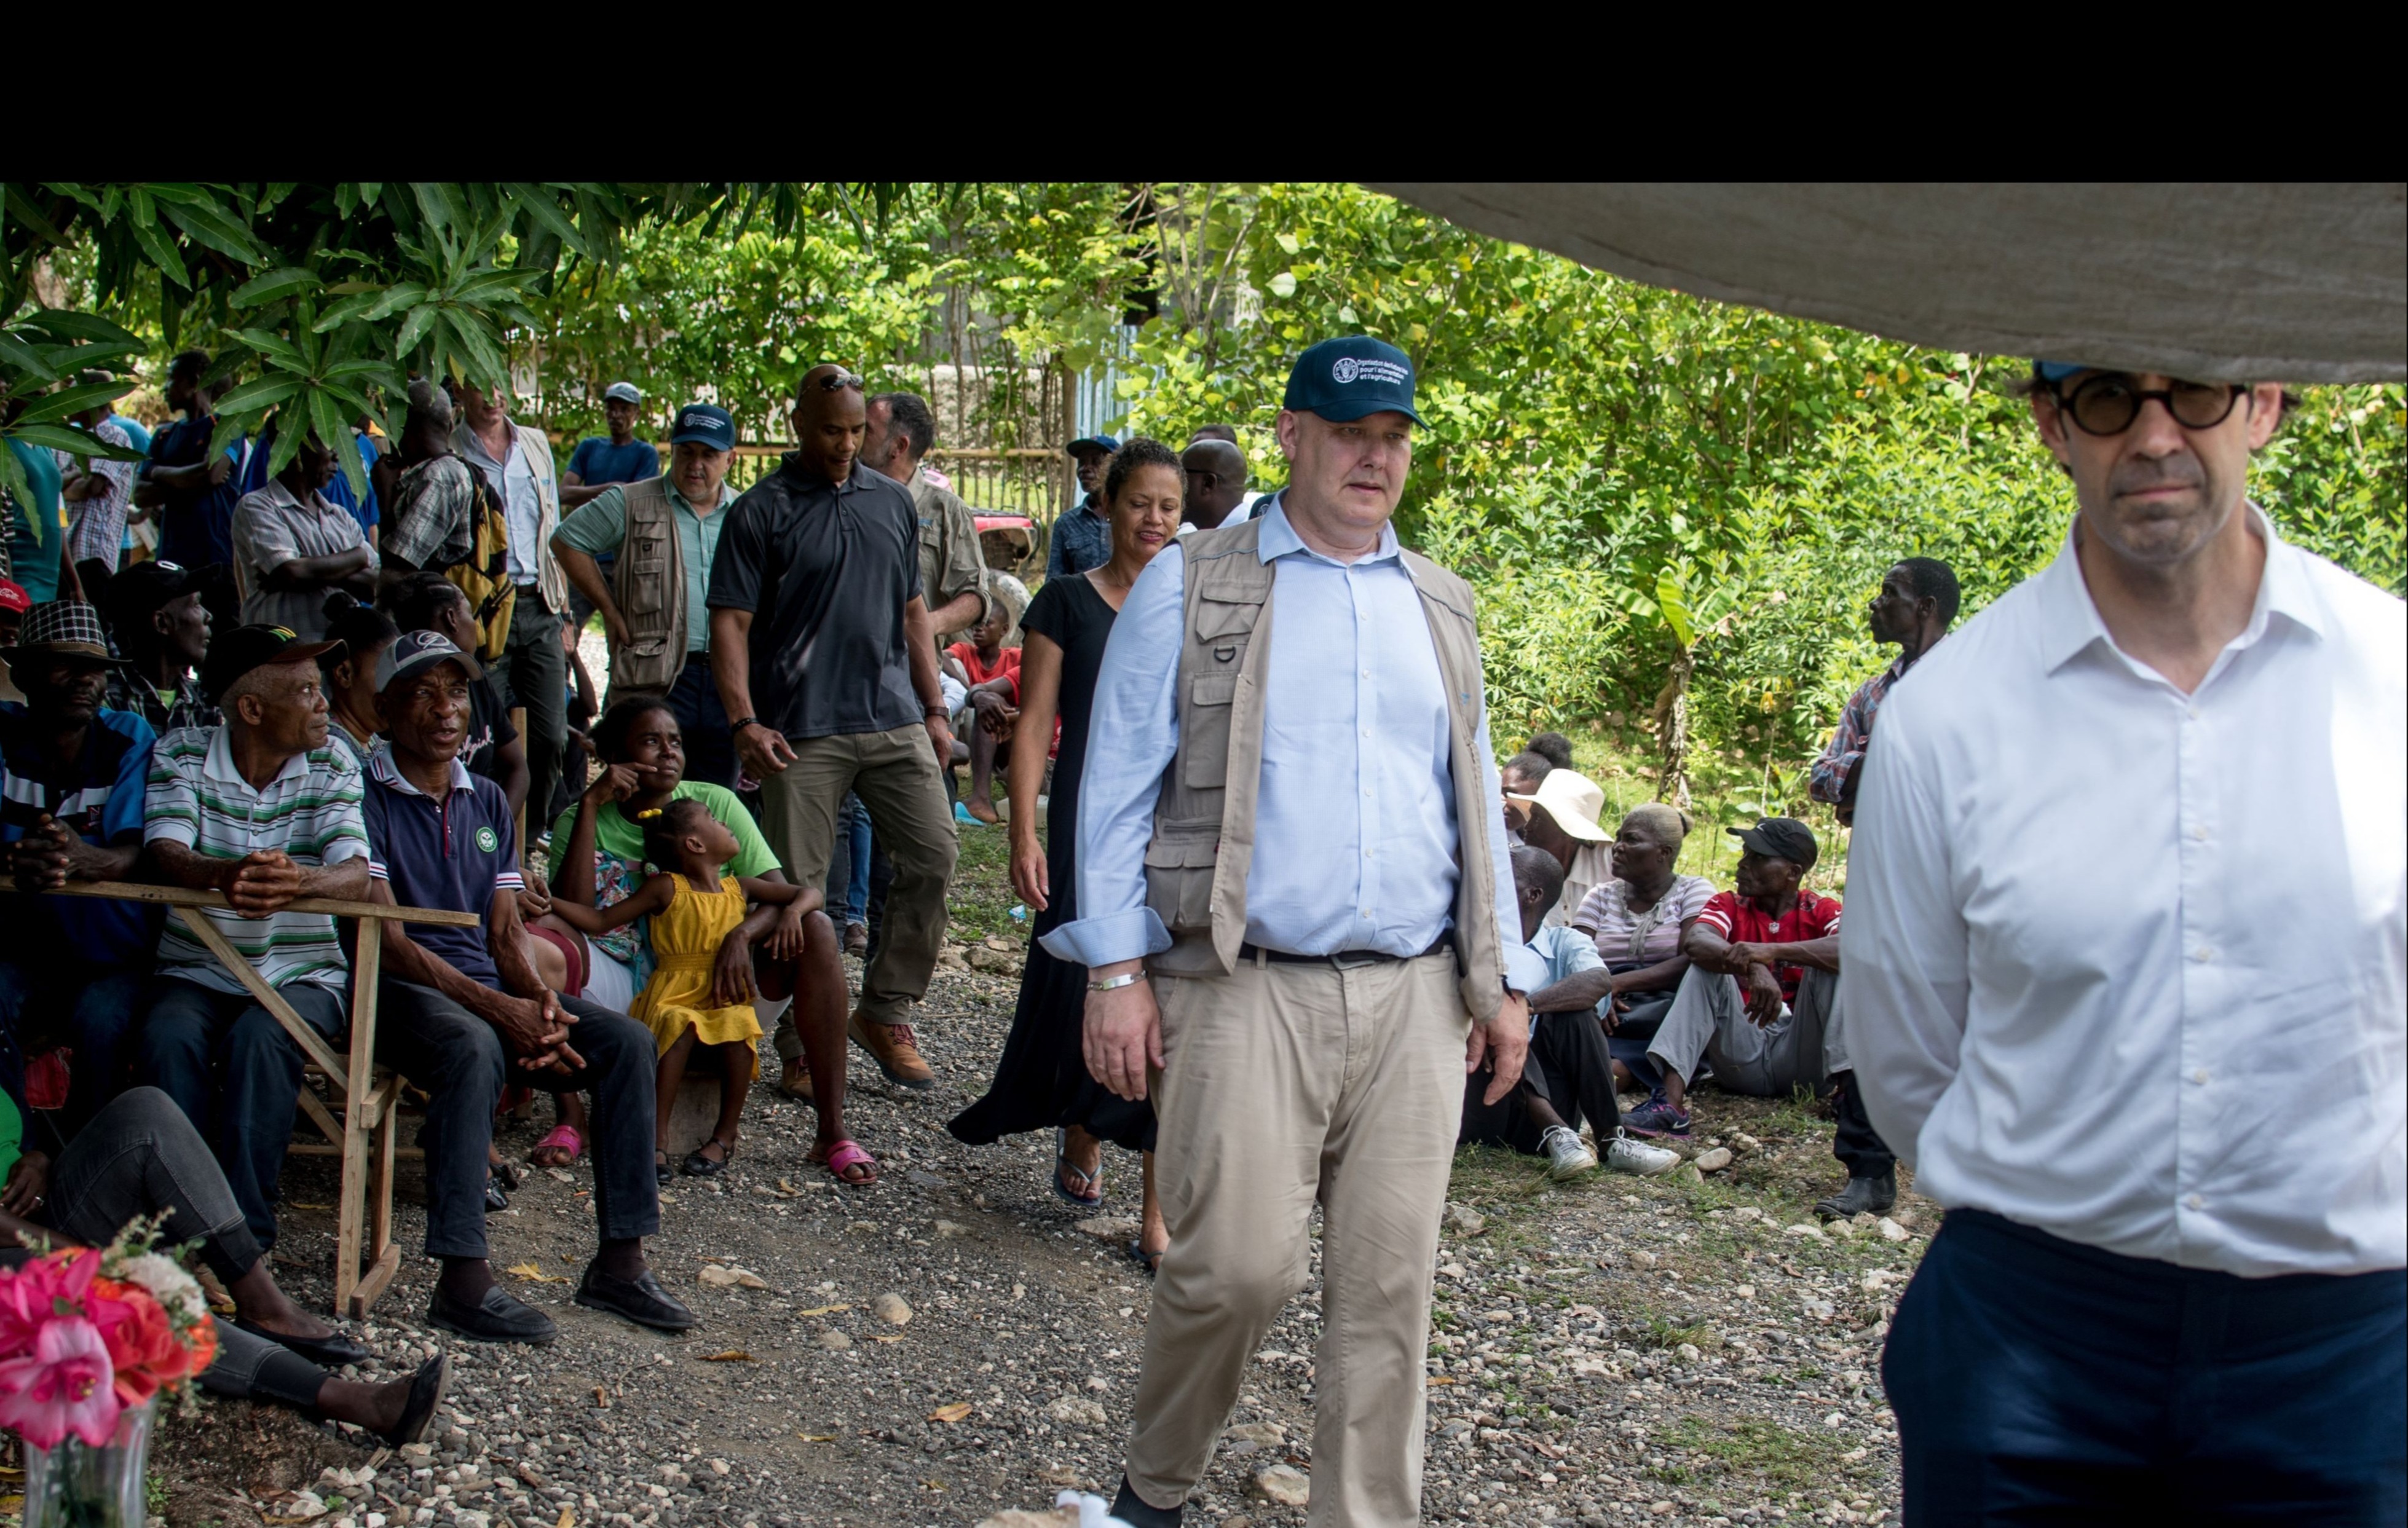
x: 698, y: 994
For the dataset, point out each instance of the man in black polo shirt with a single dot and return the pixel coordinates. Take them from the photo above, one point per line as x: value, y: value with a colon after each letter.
x: 820, y: 641
x: 461, y: 1011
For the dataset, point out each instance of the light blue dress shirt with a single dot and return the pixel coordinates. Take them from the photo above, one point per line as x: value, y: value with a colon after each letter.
x: 1355, y: 825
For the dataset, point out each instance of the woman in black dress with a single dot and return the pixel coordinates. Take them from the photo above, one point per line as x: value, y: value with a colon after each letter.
x: 1041, y: 1081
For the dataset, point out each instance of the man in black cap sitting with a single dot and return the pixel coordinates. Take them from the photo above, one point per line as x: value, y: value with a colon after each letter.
x: 461, y: 1011
x: 262, y: 809
x: 1758, y: 1002
x: 161, y: 631
x: 71, y: 777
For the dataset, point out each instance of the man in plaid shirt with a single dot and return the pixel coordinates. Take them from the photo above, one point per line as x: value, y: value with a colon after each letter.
x: 1916, y: 602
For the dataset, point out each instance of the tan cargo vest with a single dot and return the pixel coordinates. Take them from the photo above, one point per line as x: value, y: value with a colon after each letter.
x: 650, y: 586
x: 1203, y: 842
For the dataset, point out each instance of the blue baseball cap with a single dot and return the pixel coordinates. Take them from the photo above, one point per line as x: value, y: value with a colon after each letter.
x: 414, y: 653
x: 1346, y: 379
x: 2056, y: 371
x: 706, y: 423
x: 1105, y: 444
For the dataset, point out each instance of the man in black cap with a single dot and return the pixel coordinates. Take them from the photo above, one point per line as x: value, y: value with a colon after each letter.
x: 1082, y: 537
x: 653, y: 602
x: 462, y: 1011
x: 161, y: 630
x: 260, y: 809
x: 1757, y: 998
x: 71, y: 784
x: 1329, y: 993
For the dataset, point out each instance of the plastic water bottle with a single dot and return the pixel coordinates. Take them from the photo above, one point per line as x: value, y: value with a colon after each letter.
x: 1019, y: 913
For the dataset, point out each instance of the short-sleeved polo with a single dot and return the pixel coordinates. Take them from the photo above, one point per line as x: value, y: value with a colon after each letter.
x: 452, y: 854
x: 825, y: 570
x: 98, y: 798
x: 598, y: 528
x: 311, y: 810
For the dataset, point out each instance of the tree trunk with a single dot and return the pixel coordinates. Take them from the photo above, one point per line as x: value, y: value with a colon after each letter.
x: 1673, y: 731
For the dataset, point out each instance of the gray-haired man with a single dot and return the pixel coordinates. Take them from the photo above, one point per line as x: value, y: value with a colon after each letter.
x: 1312, y: 1012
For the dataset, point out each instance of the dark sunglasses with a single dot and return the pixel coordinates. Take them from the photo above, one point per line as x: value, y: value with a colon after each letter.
x: 836, y: 381
x: 2107, y: 403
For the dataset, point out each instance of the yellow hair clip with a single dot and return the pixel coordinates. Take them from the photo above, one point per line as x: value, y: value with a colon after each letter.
x: 648, y: 814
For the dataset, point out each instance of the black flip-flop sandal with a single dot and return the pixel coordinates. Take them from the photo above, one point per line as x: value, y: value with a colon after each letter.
x: 699, y: 1165
x: 1150, y: 1262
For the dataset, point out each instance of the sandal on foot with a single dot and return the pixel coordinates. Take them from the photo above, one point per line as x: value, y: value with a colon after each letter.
x: 1150, y: 1261
x: 663, y: 1173
x: 1093, y: 1183
x: 699, y: 1165
x: 842, y: 1159
x: 563, y: 1138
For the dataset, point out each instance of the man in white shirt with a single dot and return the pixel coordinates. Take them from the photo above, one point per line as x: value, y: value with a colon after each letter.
x: 2125, y: 910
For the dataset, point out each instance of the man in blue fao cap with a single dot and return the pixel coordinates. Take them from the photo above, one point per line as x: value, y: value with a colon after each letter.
x: 1323, y: 999
x: 652, y: 601
x: 1081, y: 537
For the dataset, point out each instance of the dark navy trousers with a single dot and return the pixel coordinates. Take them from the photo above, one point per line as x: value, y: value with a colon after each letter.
x: 2037, y: 1380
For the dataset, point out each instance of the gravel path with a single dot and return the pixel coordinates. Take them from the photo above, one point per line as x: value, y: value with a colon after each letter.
x: 1681, y: 1350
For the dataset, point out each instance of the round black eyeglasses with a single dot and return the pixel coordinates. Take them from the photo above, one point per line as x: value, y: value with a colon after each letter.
x: 2106, y: 402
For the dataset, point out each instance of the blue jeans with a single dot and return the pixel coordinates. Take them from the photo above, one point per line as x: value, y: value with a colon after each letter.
x: 709, y: 745
x: 97, y: 1004
x: 850, y: 894
x: 236, y: 1075
x: 2039, y: 1380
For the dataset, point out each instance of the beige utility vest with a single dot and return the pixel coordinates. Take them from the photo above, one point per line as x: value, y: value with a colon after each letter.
x: 1203, y: 842
x: 650, y: 586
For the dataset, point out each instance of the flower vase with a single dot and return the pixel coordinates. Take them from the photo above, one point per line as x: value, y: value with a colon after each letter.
x: 76, y: 1485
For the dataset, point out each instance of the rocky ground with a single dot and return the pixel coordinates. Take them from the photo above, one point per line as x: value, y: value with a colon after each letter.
x: 955, y: 1342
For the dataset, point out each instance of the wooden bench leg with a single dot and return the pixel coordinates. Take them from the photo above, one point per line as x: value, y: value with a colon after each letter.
x: 362, y: 1116
x: 384, y: 1256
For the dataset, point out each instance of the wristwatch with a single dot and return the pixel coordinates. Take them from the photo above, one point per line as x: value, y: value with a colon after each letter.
x: 740, y: 723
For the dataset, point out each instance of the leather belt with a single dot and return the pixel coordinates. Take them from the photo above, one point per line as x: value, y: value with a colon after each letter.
x: 1344, y: 960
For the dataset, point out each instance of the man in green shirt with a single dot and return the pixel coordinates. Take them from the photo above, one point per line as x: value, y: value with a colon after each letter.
x: 651, y: 605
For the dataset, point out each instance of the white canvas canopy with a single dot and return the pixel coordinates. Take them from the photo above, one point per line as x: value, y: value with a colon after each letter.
x: 2295, y: 283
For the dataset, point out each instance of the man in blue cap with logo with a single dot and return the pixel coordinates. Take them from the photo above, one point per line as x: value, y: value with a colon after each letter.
x: 1082, y: 539
x: 2125, y: 913
x: 1302, y: 1018
x: 663, y: 531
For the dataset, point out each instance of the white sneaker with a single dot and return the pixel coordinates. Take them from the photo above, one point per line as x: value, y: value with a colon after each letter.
x: 1566, y: 1156
x: 1624, y: 1155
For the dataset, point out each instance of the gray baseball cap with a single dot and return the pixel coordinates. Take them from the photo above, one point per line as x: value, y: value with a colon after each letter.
x: 622, y: 392
x: 413, y: 652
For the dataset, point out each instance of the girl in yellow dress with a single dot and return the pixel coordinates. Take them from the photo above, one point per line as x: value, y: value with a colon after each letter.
x: 701, y: 987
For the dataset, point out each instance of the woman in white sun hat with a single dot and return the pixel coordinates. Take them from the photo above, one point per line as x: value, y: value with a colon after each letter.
x: 1562, y: 819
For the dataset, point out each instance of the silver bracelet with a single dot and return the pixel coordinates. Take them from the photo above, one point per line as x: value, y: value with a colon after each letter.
x: 1127, y: 979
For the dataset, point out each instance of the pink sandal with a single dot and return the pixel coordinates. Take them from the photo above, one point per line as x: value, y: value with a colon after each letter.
x: 845, y: 1156
x: 563, y: 1137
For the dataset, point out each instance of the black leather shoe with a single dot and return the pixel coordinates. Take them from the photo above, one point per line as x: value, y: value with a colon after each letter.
x: 1862, y: 1196
x: 639, y: 1299
x: 1132, y: 1509
x: 331, y: 1352
x: 495, y: 1199
x: 427, y: 1389
x: 499, y: 1317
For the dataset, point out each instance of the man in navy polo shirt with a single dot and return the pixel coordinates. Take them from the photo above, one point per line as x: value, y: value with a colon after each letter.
x: 462, y: 1011
x: 73, y: 775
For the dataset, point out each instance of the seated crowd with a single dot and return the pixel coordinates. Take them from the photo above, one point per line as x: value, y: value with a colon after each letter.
x: 352, y: 740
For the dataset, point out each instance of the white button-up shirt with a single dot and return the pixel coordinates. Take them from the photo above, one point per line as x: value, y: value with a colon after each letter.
x: 2126, y: 965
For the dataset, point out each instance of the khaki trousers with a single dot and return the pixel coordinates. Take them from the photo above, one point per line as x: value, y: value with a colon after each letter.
x: 1281, y: 1085
x: 895, y: 773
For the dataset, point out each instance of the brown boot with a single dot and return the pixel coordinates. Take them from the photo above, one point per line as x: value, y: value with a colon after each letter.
x: 794, y: 1082
x: 895, y: 1051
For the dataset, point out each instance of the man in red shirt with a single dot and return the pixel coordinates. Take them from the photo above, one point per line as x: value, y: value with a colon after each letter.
x: 1756, y: 999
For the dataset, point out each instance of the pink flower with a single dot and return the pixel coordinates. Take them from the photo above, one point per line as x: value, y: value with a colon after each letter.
x: 40, y: 1292
x: 65, y: 1387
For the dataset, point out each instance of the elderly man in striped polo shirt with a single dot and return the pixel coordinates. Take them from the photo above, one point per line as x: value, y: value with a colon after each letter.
x: 260, y: 809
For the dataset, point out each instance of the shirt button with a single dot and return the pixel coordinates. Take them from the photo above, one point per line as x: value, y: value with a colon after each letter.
x: 1367, y: 732
x: 2199, y: 1077
x: 2195, y: 1202
x: 2191, y: 711
x: 2202, y: 954
x: 2199, y: 832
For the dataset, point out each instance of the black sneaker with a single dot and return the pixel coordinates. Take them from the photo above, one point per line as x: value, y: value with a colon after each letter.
x: 1862, y: 1196
x: 499, y: 1317
x: 1131, y: 1509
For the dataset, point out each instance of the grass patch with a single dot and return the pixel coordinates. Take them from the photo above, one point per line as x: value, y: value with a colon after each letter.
x: 981, y: 898
x: 1784, y: 1459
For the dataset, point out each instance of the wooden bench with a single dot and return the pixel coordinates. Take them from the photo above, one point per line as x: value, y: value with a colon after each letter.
x: 366, y: 1095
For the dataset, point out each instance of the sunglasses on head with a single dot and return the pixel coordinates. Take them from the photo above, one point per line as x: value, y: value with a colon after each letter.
x: 836, y: 381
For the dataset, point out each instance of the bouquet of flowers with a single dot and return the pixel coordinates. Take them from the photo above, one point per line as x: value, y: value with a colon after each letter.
x: 88, y: 1334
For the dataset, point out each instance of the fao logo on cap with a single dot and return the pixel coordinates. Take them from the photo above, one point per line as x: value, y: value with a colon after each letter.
x: 1345, y: 369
